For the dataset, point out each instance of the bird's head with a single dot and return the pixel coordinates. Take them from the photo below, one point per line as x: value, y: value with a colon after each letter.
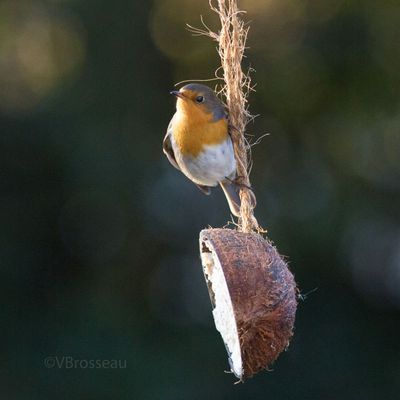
x: 197, y: 100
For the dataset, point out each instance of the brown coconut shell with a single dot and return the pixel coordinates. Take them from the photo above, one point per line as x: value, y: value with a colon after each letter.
x: 262, y: 291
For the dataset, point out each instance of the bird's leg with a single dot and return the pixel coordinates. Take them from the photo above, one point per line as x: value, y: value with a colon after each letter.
x: 241, y: 185
x: 238, y: 182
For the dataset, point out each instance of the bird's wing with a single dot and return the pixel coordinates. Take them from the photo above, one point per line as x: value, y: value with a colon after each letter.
x: 167, y: 147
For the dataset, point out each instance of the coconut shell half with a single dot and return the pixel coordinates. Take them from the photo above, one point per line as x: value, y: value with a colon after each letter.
x: 253, y: 295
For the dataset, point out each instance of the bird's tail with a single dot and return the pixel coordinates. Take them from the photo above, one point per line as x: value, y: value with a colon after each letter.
x: 231, y: 191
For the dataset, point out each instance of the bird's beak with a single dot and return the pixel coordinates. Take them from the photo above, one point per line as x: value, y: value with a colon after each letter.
x: 177, y: 93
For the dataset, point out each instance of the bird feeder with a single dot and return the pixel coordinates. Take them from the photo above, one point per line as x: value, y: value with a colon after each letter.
x: 252, y: 291
x: 253, y: 295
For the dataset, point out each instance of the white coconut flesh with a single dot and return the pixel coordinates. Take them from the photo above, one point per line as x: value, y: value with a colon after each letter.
x: 223, y: 313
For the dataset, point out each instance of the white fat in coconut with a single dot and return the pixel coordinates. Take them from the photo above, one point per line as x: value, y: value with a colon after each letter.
x: 223, y: 312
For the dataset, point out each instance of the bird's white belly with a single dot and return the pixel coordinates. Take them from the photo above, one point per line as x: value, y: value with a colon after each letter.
x: 211, y: 166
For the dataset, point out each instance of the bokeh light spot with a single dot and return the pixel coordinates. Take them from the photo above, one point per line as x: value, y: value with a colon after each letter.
x: 39, y: 50
x: 169, y: 34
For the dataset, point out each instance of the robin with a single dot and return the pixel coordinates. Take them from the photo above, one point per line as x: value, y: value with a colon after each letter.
x: 198, y: 143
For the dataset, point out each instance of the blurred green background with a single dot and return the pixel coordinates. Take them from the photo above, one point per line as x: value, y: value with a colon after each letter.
x: 99, y: 253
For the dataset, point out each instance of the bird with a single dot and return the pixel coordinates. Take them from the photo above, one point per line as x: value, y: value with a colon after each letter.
x: 198, y: 142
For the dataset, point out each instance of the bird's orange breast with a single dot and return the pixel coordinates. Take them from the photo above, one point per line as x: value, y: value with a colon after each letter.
x: 192, y: 132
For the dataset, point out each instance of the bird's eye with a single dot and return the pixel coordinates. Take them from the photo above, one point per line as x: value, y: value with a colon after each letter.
x: 199, y: 99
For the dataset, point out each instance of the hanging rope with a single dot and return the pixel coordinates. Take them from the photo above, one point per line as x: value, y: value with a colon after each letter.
x: 231, y: 46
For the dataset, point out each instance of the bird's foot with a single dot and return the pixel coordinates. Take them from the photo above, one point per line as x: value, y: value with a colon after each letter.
x: 238, y: 181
